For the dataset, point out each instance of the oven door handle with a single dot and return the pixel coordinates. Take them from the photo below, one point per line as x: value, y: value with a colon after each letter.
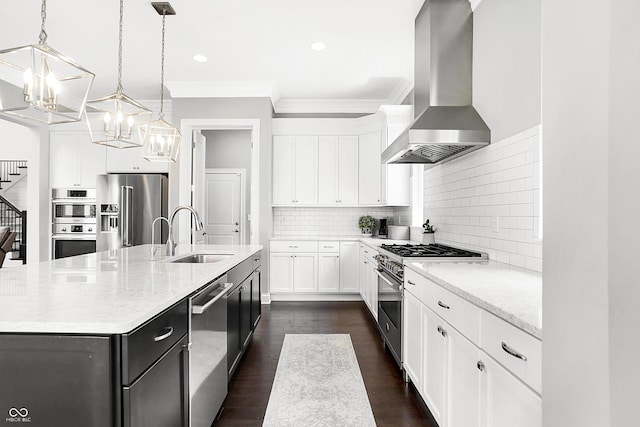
x: 389, y: 282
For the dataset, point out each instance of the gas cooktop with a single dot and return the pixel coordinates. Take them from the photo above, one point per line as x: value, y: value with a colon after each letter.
x: 434, y: 250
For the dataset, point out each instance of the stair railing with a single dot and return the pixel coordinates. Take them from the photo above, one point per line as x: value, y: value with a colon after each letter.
x: 16, y: 220
x: 10, y: 169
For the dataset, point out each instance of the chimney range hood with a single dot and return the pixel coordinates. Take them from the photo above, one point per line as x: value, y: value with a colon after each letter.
x: 447, y: 126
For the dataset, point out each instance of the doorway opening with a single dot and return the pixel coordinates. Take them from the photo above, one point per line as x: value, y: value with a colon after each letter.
x: 224, y: 178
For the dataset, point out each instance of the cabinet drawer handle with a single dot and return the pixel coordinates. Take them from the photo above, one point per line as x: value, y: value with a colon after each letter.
x: 443, y: 305
x: 293, y: 246
x: 512, y: 352
x: 164, y: 336
x: 480, y: 366
x: 442, y: 331
x: 410, y: 282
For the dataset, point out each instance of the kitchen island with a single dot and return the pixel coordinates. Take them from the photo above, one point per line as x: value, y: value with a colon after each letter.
x: 102, y: 339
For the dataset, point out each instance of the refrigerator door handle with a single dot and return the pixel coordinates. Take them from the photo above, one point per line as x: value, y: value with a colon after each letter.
x: 126, y: 199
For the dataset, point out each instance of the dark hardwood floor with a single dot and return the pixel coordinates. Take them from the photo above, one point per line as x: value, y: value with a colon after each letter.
x: 394, y: 403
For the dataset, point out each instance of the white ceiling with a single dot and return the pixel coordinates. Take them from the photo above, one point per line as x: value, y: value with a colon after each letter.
x: 254, y: 45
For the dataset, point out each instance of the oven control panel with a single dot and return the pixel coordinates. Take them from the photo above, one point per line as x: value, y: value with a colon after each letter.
x: 74, y: 228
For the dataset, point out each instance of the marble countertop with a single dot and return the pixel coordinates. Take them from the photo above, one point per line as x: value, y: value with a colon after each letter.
x: 511, y: 293
x: 109, y: 292
x: 369, y: 241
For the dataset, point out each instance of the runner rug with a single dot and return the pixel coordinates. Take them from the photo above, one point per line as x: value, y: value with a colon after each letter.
x: 318, y: 383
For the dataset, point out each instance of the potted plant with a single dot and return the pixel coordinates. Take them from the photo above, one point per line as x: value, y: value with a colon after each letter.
x: 366, y: 223
x: 428, y: 235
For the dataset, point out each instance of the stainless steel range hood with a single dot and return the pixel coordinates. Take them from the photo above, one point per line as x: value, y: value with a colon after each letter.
x: 447, y: 126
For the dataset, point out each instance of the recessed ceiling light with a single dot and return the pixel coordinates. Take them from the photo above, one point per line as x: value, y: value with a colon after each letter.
x: 317, y: 46
x: 199, y: 58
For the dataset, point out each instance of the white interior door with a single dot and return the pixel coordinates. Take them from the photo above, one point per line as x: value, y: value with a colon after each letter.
x: 224, y: 208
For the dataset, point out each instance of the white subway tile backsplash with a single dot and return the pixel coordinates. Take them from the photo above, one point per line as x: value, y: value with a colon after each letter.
x: 465, y: 198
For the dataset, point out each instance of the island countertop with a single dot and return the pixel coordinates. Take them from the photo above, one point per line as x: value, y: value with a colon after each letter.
x: 110, y: 292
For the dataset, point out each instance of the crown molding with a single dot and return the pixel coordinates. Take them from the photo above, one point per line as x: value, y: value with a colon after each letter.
x: 224, y: 89
x: 329, y: 105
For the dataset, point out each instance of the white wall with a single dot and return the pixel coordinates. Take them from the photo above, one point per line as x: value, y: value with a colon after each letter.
x: 18, y: 142
x: 488, y: 200
x: 317, y: 221
x: 624, y: 209
x: 576, y: 167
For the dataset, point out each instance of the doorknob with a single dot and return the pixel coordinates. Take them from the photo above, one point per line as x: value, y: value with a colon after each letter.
x: 237, y: 223
x: 237, y: 231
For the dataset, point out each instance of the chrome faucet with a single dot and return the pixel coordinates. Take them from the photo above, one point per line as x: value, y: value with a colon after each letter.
x: 171, y: 246
x: 153, y: 229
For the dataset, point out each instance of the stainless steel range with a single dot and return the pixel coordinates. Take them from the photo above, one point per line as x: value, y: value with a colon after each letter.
x: 390, y: 278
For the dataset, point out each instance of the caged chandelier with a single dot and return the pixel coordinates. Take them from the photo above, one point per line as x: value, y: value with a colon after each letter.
x: 161, y: 140
x: 40, y: 84
x: 113, y: 120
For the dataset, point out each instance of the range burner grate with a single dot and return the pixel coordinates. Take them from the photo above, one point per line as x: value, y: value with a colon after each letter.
x: 425, y: 251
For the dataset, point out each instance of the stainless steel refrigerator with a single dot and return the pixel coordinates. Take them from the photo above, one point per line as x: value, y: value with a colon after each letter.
x: 127, y: 204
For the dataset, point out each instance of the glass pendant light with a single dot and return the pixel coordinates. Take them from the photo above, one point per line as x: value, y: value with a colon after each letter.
x: 40, y: 84
x: 161, y: 139
x: 113, y: 120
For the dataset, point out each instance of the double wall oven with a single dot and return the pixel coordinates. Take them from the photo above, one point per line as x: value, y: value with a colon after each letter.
x: 73, y: 222
x: 390, y: 273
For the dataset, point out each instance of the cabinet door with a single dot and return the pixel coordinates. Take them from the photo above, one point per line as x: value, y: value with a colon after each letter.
x: 130, y: 160
x: 306, y: 170
x: 349, y: 267
x: 65, y: 160
x: 160, y: 397
x: 256, y: 291
x: 364, y: 280
x: 234, y: 343
x: 305, y: 273
x: 369, y: 169
x: 507, y: 402
x: 328, y: 170
x: 373, y: 290
x: 281, y: 268
x: 347, y: 170
x: 463, y: 397
x: 93, y: 160
x: 412, y: 338
x: 283, y: 170
x: 245, y: 311
x: 434, y: 363
x: 328, y: 272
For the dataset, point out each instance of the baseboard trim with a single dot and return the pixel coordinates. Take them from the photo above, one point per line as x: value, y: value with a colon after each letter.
x: 315, y: 297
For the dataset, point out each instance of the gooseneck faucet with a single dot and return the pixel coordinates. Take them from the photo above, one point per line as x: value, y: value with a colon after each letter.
x: 171, y: 246
x: 153, y: 229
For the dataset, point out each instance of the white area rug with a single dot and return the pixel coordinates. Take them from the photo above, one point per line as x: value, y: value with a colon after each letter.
x: 318, y: 383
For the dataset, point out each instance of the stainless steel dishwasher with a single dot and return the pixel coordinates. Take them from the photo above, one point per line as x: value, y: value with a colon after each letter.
x: 208, y: 363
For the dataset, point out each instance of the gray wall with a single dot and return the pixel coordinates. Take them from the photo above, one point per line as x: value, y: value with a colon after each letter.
x: 506, y: 65
x: 231, y: 149
x: 236, y: 108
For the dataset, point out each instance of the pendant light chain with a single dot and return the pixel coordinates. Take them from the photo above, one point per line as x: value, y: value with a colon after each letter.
x: 119, y: 87
x: 43, y: 14
x: 164, y: 16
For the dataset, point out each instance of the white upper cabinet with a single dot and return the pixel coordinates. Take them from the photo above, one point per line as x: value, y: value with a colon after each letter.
x: 75, y: 160
x: 337, y: 170
x: 369, y: 169
x: 295, y: 163
x: 130, y: 160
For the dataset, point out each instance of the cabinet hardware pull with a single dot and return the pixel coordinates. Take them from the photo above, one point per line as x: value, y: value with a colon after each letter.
x: 387, y: 327
x: 480, y: 366
x: 293, y: 246
x: 512, y: 352
x: 443, y: 305
x: 442, y: 331
x: 164, y: 336
x: 410, y: 282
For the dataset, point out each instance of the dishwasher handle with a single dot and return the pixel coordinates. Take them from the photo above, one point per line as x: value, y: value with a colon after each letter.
x: 217, y: 290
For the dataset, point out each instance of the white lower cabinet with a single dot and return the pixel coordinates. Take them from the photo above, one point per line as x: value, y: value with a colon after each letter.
x: 369, y: 279
x: 309, y: 266
x: 305, y: 273
x: 328, y: 272
x: 434, y: 355
x: 506, y: 401
x: 462, y: 385
x: 349, y: 267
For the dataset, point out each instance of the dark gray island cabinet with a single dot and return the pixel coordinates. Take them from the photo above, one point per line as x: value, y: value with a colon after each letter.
x: 112, y: 339
x: 134, y: 379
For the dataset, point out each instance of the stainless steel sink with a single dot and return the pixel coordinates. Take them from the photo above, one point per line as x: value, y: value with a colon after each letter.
x: 202, y: 258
